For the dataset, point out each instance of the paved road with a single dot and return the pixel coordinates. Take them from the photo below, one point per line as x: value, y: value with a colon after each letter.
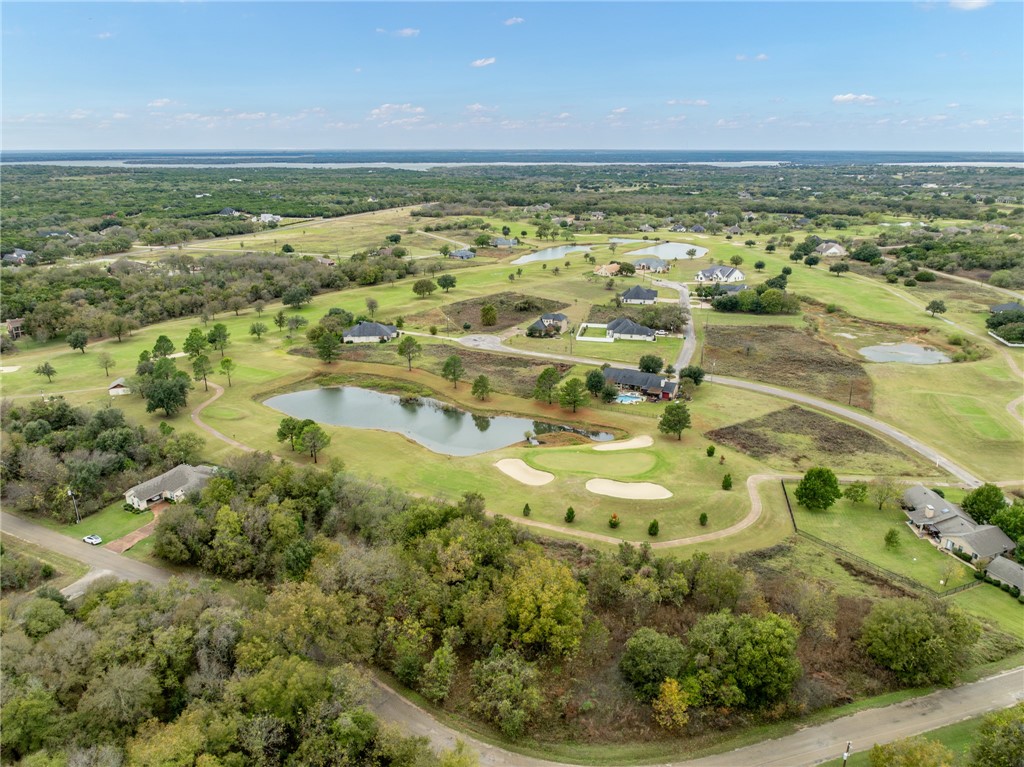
x: 690, y: 334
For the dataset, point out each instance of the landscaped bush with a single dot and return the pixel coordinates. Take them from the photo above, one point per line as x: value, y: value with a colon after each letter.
x: 962, y: 555
x: 703, y: 519
x: 526, y: 510
x: 652, y: 529
x: 979, y: 575
x: 710, y: 451
x: 570, y: 514
x: 614, y: 521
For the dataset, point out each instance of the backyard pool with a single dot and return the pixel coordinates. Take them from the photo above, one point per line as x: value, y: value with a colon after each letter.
x: 629, y: 399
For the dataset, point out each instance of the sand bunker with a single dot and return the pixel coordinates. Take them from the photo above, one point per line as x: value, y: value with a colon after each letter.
x: 633, y: 491
x: 10, y: 368
x: 644, y: 441
x: 521, y: 472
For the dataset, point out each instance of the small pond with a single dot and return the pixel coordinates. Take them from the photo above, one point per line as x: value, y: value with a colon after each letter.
x: 550, y: 254
x: 911, y: 354
x: 671, y: 251
x: 435, y: 425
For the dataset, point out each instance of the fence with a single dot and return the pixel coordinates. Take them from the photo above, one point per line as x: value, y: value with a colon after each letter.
x: 1004, y: 342
x: 870, y: 566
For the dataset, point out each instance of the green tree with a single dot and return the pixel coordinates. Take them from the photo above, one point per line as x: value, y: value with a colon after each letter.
x: 818, y: 490
x: 41, y: 616
x: 257, y: 329
x: 439, y: 673
x: 296, y: 297
x: 169, y: 394
x: 694, y: 372
x: 544, y: 606
x: 453, y: 369
x: 119, y: 699
x: 572, y: 393
x: 595, y: 382
x: 653, y: 528
x: 201, y: 368
x: 481, y: 387
x: 29, y: 720
x: 856, y: 492
x: 674, y: 419
x: 812, y: 260
x: 106, y: 361
x: 922, y: 642
x: 46, y: 370
x: 195, y: 344
x: 727, y: 482
x: 328, y: 347
x: 650, y: 658
x: 651, y: 363
x: 505, y: 691
x: 546, y: 383
x: 884, y: 491
x: 409, y: 347
x: 164, y: 347
x: 227, y: 367
x: 219, y: 337
x: 984, y: 502
x: 999, y: 742
x: 839, y: 268
x: 488, y: 315
x: 935, y: 306
x: 289, y: 429
x: 77, y: 339
x: 736, y: 260
x: 424, y: 287
x: 121, y: 326
x: 570, y: 515
x: 372, y: 305
x: 314, y: 439
x: 760, y: 265
x: 446, y: 281
x: 910, y: 752
x: 280, y: 320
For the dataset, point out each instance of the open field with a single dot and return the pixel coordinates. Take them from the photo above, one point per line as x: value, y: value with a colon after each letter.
x: 861, y: 528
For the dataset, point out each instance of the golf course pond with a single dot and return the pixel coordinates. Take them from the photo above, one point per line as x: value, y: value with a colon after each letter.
x: 912, y: 354
x: 550, y: 254
x: 437, y: 426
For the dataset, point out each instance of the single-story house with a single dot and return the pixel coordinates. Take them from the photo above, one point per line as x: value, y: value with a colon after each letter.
x: 555, y: 319
x: 1007, y: 571
x: 720, y: 274
x: 17, y: 256
x: 596, y: 215
x: 369, y: 333
x: 651, y: 264
x: 639, y: 295
x: 15, y: 328
x: 734, y: 230
x: 831, y: 249
x: 501, y: 242
x: 678, y: 228
x: 462, y: 254
x: 607, y: 270
x: 625, y: 329
x: 172, y: 485
x: 648, y: 383
x: 324, y: 261
x: 1013, y: 306
x: 118, y: 388
x: 228, y: 212
x: 266, y: 218
x: 803, y: 221
x: 645, y: 228
x: 951, y: 527
x: 728, y: 290
x: 698, y: 228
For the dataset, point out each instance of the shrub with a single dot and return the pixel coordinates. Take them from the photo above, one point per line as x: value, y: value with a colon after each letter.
x: 570, y: 514
x: 614, y: 521
x: 925, y: 276
x: 703, y: 519
x: 47, y: 570
x: 1021, y: 599
x: 526, y: 510
x: 938, y: 492
x: 1005, y: 587
x: 1014, y: 592
x: 956, y: 339
x: 710, y: 451
x: 433, y: 330
x: 652, y: 529
x: 466, y: 326
x: 979, y: 575
x: 910, y: 282
x: 727, y: 482
x: 892, y: 279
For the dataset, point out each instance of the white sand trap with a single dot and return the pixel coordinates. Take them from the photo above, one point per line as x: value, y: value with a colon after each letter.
x: 633, y: 491
x: 520, y: 471
x: 177, y: 354
x: 645, y: 441
x: 10, y: 368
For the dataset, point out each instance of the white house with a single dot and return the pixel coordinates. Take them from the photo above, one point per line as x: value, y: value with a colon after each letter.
x: 624, y: 329
x: 172, y: 485
x: 266, y: 218
x: 651, y: 264
x: 639, y: 295
x: 607, y: 270
x: 720, y: 274
x: 370, y: 333
x: 118, y: 388
x: 831, y: 249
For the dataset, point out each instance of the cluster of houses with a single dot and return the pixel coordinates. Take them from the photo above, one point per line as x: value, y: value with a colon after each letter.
x: 954, y: 530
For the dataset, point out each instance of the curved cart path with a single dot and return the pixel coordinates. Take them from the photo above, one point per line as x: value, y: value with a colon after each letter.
x: 218, y: 390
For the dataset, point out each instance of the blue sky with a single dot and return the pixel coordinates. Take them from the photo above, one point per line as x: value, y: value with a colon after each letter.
x: 576, y: 75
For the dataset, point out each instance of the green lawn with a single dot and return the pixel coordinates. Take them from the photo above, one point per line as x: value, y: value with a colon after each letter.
x: 956, y: 737
x: 109, y: 523
x: 861, y: 528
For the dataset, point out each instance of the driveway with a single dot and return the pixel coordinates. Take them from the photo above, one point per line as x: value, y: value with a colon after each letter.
x: 690, y: 334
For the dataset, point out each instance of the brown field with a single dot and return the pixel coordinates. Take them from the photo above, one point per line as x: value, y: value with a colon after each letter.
x: 469, y: 311
x: 798, y: 438
x: 785, y: 356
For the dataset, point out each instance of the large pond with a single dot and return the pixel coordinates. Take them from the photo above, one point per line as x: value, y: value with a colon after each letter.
x: 671, y: 251
x: 909, y: 353
x: 433, y: 424
x: 550, y: 254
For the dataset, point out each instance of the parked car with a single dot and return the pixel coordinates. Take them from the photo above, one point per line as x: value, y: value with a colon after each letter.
x: 94, y: 539
x: 661, y: 332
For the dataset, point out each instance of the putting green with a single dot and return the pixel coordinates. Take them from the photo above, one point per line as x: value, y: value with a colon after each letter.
x: 597, y: 464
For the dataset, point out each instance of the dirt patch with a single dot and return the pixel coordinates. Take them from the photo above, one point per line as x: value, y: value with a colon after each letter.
x: 799, y: 438
x: 512, y: 309
x: 789, y: 357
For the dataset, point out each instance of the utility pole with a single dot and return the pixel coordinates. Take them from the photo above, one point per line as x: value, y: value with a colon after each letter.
x: 71, y: 495
x: 846, y: 754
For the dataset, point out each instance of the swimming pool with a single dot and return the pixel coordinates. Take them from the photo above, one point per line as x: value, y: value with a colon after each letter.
x: 629, y: 399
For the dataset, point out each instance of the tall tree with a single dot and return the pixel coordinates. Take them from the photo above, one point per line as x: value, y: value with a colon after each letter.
x: 446, y: 281
x: 424, y: 287
x: 312, y: 438
x: 546, y: 383
x: 674, y: 419
x: 289, y: 429
x: 372, y: 304
x: 164, y: 346
x: 77, y: 339
x: 257, y: 329
x: 595, y: 382
x: 453, y: 369
x: 170, y: 393
x: 481, y: 387
x: 651, y: 363
x: 106, y: 361
x: 328, y: 347
x: 227, y: 367
x: 46, y: 369
x: 819, y: 489
x: 409, y: 347
x: 884, y: 491
x: 936, y: 306
x: 201, y: 368
x: 195, y: 344
x: 219, y: 337
x: 572, y: 393
x: 984, y: 502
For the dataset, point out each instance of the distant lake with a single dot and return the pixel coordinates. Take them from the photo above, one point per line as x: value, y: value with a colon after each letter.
x: 911, y: 354
x: 438, y: 427
x: 550, y: 254
x: 670, y: 251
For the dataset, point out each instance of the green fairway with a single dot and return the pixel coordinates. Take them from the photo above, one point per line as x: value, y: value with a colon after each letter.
x: 860, y: 529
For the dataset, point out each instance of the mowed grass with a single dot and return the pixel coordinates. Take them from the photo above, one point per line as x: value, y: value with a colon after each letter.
x: 109, y: 523
x: 956, y: 737
x: 860, y: 529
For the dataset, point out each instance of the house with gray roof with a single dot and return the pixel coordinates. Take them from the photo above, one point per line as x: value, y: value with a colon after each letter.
x: 639, y: 295
x: 734, y: 229
x: 1013, y: 306
x: 651, y: 264
x: 830, y: 248
x: 367, y: 332
x: 1005, y: 570
x: 172, y: 485
x: 720, y: 274
x: 118, y: 388
x: 952, y: 528
x: 556, y: 319
x: 502, y: 242
x: 462, y: 253
x: 982, y: 543
x: 697, y: 228
x: 625, y: 329
x: 635, y: 380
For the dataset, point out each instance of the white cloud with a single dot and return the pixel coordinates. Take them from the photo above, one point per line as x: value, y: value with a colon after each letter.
x: 479, y: 108
x: 120, y: 116
x: 79, y: 114
x: 969, y: 5
x: 513, y: 21
x: 758, y: 57
x: 688, y: 102
x: 483, y: 62
x: 741, y: 57
x: 159, y: 103
x: 104, y: 35
x: 357, y: 70
x: 724, y: 123
x: 250, y: 115
x: 677, y: 119
x: 620, y: 110
x: 404, y: 32
x: 761, y: 57
x: 952, y: 105
x: 563, y: 116
x: 389, y: 114
x: 853, y: 98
